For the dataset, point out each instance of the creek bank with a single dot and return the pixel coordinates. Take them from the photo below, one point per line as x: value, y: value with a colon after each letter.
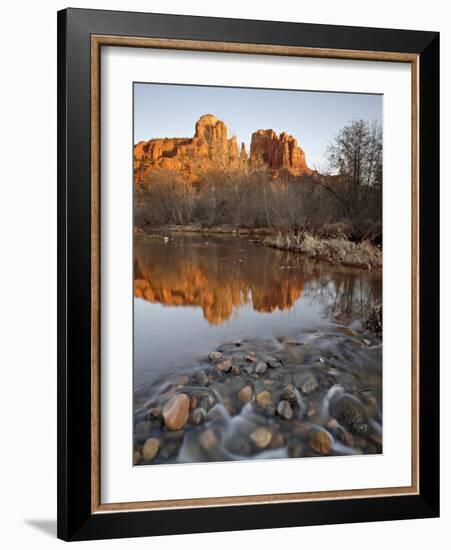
x: 338, y: 250
x: 319, y: 394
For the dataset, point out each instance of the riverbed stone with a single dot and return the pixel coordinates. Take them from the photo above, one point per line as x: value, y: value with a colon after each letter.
x: 245, y: 394
x: 207, y: 402
x: 239, y: 445
x: 176, y: 412
x: 208, y: 440
x: 202, y: 378
x: 235, y: 370
x: 261, y: 368
x: 142, y: 429
x: 214, y: 356
x: 261, y: 437
x: 193, y: 402
x: 350, y: 412
x: 320, y: 443
x: 347, y: 331
x: 273, y: 362
x: 284, y: 410
x: 305, y: 382
x: 197, y: 416
x: 151, y: 448
x: 136, y: 458
x: 263, y: 398
x: 291, y: 394
x: 225, y: 366
x: 277, y: 441
x: 154, y: 413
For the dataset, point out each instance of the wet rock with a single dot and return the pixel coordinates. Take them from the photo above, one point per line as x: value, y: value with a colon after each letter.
x: 248, y: 369
x: 176, y: 412
x: 360, y: 428
x: 347, y: 331
x: 193, y: 401
x: 178, y: 381
x: 306, y: 382
x: 202, y: 378
x: 214, y: 413
x: 291, y: 394
x: 225, y: 366
x: 301, y: 429
x: 261, y: 437
x: 154, y: 413
x: 270, y: 410
x: 176, y: 435
x: 245, y: 394
x: 143, y: 429
x: 360, y: 442
x: 264, y: 399
x: 214, y: 356
x: 239, y: 445
x: 208, y: 440
x: 235, y: 370
x: 350, y: 412
x: 169, y: 450
x: 284, y: 410
x: 197, y: 416
x: 151, y: 448
x: 261, y: 368
x: 332, y: 424
x: 320, y: 443
x: 136, y: 458
x: 277, y: 441
x: 250, y: 358
x: 273, y: 362
x: 207, y: 402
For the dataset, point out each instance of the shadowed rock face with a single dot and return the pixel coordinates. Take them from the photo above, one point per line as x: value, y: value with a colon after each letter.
x: 278, y: 152
x: 210, y: 148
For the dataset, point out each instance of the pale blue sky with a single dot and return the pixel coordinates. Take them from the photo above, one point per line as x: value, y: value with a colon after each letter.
x: 168, y: 110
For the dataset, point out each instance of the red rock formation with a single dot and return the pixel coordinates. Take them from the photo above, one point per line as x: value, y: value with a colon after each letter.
x: 209, y: 148
x: 278, y: 152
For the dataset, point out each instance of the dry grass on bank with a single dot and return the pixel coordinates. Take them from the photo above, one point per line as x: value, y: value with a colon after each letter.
x: 336, y: 250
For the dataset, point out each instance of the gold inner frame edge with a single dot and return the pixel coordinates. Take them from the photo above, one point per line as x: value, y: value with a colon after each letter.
x: 97, y: 41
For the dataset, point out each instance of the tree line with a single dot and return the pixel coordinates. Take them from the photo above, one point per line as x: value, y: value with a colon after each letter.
x: 345, y: 196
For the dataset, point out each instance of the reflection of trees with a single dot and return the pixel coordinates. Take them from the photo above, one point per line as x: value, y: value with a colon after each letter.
x: 345, y: 295
x: 225, y: 274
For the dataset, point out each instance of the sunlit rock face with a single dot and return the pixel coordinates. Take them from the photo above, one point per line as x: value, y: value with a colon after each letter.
x: 209, y: 148
x: 278, y: 152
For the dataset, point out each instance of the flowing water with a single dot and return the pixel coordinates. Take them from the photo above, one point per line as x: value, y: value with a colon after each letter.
x: 289, y: 329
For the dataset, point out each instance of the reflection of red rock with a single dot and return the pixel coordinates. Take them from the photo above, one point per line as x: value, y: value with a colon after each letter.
x: 278, y: 152
x: 208, y: 148
x: 217, y: 285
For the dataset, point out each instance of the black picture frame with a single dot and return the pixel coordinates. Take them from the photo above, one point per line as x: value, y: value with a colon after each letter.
x: 75, y: 518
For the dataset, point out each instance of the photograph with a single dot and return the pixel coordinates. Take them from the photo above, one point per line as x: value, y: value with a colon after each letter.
x: 257, y: 265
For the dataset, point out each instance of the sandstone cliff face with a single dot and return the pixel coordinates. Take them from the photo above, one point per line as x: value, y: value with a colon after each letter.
x: 210, y: 147
x: 278, y: 152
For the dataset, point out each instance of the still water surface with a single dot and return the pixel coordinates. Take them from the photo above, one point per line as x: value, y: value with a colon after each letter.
x: 195, y: 293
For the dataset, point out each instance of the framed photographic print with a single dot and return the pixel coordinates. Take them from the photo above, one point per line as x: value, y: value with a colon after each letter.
x: 248, y: 274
